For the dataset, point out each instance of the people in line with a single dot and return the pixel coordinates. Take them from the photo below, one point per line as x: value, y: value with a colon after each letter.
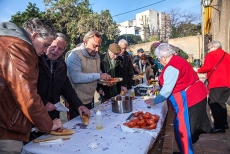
x: 83, y: 69
x: 127, y: 62
x: 112, y: 64
x: 137, y: 57
x: 150, y: 59
x: 142, y: 66
x: 21, y: 106
x: 216, y: 65
x: 53, y: 81
x: 187, y: 96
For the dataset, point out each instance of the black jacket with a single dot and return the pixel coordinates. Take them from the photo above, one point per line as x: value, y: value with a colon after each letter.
x: 104, y: 66
x: 60, y: 86
x: 128, y: 67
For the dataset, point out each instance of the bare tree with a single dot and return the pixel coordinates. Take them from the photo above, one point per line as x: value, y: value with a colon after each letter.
x: 183, y: 23
x: 145, y: 25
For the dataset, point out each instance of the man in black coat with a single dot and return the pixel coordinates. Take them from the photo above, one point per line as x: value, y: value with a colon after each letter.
x: 112, y: 64
x: 53, y: 80
x: 127, y: 62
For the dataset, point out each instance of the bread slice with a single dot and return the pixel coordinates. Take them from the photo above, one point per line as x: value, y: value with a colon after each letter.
x: 85, y: 119
x: 63, y: 132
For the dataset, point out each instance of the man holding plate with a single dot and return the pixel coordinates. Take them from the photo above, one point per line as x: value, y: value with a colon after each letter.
x: 112, y: 64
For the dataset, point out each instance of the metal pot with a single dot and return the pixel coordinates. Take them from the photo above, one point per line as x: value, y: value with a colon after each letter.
x: 122, y: 104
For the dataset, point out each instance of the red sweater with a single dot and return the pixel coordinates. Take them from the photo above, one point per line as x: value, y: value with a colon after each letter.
x: 221, y: 76
x: 187, y: 78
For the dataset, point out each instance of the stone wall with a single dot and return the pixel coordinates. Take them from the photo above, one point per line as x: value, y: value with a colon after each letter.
x: 220, y: 23
x: 191, y: 45
x: 144, y: 46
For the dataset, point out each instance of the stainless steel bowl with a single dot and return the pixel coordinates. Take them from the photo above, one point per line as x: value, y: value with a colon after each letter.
x: 122, y: 104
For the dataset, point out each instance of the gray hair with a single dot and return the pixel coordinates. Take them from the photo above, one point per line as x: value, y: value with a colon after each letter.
x: 215, y: 44
x: 123, y: 41
x: 91, y: 34
x: 62, y: 36
x: 43, y: 27
x: 164, y: 50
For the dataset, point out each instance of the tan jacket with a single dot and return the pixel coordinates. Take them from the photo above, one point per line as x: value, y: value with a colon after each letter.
x: 85, y: 91
x: 20, y: 105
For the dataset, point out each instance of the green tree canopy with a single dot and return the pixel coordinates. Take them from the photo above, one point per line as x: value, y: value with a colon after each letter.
x: 31, y: 12
x: 75, y: 18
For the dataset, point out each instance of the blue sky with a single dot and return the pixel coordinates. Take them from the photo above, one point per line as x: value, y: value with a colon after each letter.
x: 10, y: 7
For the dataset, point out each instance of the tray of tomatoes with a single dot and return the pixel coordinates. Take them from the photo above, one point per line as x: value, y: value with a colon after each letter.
x: 143, y: 120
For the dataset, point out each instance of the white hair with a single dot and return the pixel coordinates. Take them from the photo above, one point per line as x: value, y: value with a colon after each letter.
x: 123, y: 41
x: 216, y: 44
x: 164, y: 50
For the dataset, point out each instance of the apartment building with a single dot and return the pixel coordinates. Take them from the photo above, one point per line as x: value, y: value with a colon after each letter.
x: 149, y: 22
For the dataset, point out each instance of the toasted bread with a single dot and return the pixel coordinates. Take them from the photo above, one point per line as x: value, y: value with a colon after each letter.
x: 138, y: 77
x: 85, y: 119
x: 112, y: 80
x: 63, y: 132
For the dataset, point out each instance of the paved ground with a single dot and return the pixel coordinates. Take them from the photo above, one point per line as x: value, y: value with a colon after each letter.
x: 207, y: 144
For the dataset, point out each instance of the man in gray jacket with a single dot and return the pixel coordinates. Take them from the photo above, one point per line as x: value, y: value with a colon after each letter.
x: 83, y: 66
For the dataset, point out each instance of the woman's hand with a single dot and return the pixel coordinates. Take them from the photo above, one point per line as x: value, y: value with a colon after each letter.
x: 149, y: 101
x: 153, y: 90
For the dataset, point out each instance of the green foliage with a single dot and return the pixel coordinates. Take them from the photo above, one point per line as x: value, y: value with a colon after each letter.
x: 192, y: 64
x: 31, y: 12
x: 152, y: 38
x: 75, y: 18
x: 130, y: 38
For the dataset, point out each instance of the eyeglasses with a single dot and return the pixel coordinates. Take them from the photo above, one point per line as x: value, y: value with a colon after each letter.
x: 210, y: 48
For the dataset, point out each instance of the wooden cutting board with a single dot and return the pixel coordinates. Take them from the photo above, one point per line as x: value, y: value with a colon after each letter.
x: 50, y: 138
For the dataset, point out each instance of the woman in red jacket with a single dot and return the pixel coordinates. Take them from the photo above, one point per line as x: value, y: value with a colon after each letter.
x: 216, y: 65
x: 187, y: 96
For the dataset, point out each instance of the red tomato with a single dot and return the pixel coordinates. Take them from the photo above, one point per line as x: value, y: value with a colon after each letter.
x: 136, y: 114
x: 140, y: 122
x: 146, y: 116
x: 153, y: 126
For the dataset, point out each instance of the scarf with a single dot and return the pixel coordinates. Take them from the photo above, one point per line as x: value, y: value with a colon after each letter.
x: 112, y: 66
x: 144, y: 80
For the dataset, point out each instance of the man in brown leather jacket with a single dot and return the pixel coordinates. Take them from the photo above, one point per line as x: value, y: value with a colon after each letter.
x: 20, y: 105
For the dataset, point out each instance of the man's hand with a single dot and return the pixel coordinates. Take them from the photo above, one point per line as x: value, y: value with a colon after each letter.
x: 100, y: 91
x: 104, y: 76
x: 57, y: 125
x: 83, y: 109
x: 50, y: 107
x: 124, y: 89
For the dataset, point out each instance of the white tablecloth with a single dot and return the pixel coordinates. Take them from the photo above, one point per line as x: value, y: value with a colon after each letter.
x: 110, y: 140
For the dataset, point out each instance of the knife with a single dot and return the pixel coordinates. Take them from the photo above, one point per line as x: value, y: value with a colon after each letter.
x: 130, y: 116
